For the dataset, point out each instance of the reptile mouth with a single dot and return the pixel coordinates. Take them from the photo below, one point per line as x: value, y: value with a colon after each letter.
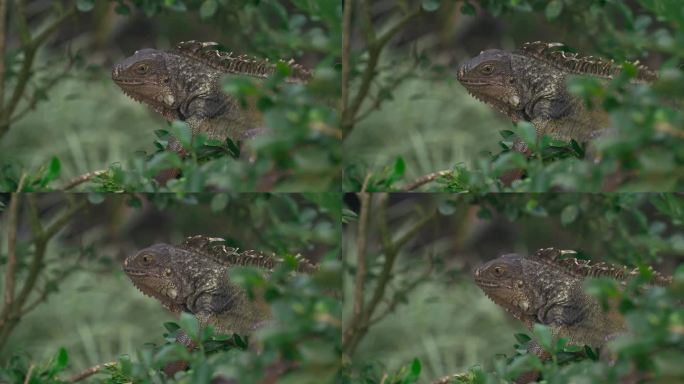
x: 473, y: 82
x: 487, y: 283
x: 135, y: 272
x: 128, y: 82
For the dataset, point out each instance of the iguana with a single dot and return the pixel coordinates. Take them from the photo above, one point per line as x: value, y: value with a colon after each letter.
x: 530, y: 85
x: 185, y: 84
x: 193, y: 277
x: 547, y: 288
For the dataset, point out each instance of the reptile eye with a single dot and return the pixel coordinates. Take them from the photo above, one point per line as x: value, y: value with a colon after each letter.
x: 142, y: 68
x: 147, y: 259
x: 487, y: 69
x: 498, y: 271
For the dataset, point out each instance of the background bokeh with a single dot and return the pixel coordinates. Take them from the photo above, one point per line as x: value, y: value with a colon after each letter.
x: 95, y: 312
x: 438, y: 315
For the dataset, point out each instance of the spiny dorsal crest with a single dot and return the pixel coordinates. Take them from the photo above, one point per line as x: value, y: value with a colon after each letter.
x: 207, y: 53
x: 565, y: 259
x: 582, y: 65
x: 214, y: 248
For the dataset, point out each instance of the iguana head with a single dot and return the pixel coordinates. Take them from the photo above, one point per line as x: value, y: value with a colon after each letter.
x: 502, y: 281
x: 489, y: 78
x: 156, y: 272
x: 146, y: 78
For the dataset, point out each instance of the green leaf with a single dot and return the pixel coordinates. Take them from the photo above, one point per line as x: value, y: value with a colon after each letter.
x: 431, y: 5
x: 569, y: 214
x: 171, y: 326
x: 543, y: 336
x: 96, y: 197
x: 527, y: 133
x: 122, y: 9
x: 522, y: 338
x: 219, y: 202
x: 208, y: 9
x: 553, y: 9
x: 85, y: 5
x: 60, y: 362
x: 182, y: 133
x: 52, y: 173
x: 190, y: 325
x: 468, y: 9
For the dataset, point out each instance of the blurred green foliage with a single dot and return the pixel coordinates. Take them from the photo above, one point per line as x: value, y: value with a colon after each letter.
x: 97, y: 316
x: 642, y: 153
x: 453, y: 329
x: 300, y: 153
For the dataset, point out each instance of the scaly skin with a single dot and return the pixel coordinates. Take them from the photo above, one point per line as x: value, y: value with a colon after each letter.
x: 193, y: 277
x: 547, y: 288
x: 185, y: 84
x: 530, y: 85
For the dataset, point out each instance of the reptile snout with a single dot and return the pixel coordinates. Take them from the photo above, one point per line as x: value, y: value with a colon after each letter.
x: 461, y: 71
x: 116, y: 71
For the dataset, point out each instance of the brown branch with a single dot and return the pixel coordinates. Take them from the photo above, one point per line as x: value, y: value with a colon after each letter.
x: 30, y: 48
x: 361, y: 243
x: 346, y: 50
x: 375, y: 46
x: 29, y: 374
x: 90, y: 371
x: 427, y: 179
x: 358, y: 325
x: 41, y: 236
x: 48, y: 85
x: 78, y: 180
x: 13, y: 218
x: 390, y: 258
x: 3, y: 17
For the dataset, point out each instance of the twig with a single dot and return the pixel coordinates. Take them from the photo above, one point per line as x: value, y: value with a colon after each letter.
x: 361, y: 254
x: 30, y: 48
x: 426, y: 179
x: 78, y: 180
x: 358, y: 325
x: 346, y: 47
x: 90, y: 371
x: 10, y: 316
x: 48, y: 85
x: 375, y: 46
x: 29, y: 374
x: 3, y: 13
x: 12, y: 242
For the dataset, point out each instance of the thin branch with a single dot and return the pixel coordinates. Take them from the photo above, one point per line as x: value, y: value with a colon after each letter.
x: 427, y: 179
x: 346, y: 51
x: 40, y: 241
x: 3, y: 37
x: 30, y: 48
x: 90, y: 371
x: 390, y: 258
x: 29, y: 374
x: 361, y: 254
x: 78, y: 180
x: 375, y: 46
x: 13, y: 218
x: 48, y: 85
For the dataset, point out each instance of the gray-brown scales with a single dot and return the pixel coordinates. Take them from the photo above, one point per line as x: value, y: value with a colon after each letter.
x: 185, y: 84
x: 529, y: 84
x: 547, y: 288
x: 193, y: 277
